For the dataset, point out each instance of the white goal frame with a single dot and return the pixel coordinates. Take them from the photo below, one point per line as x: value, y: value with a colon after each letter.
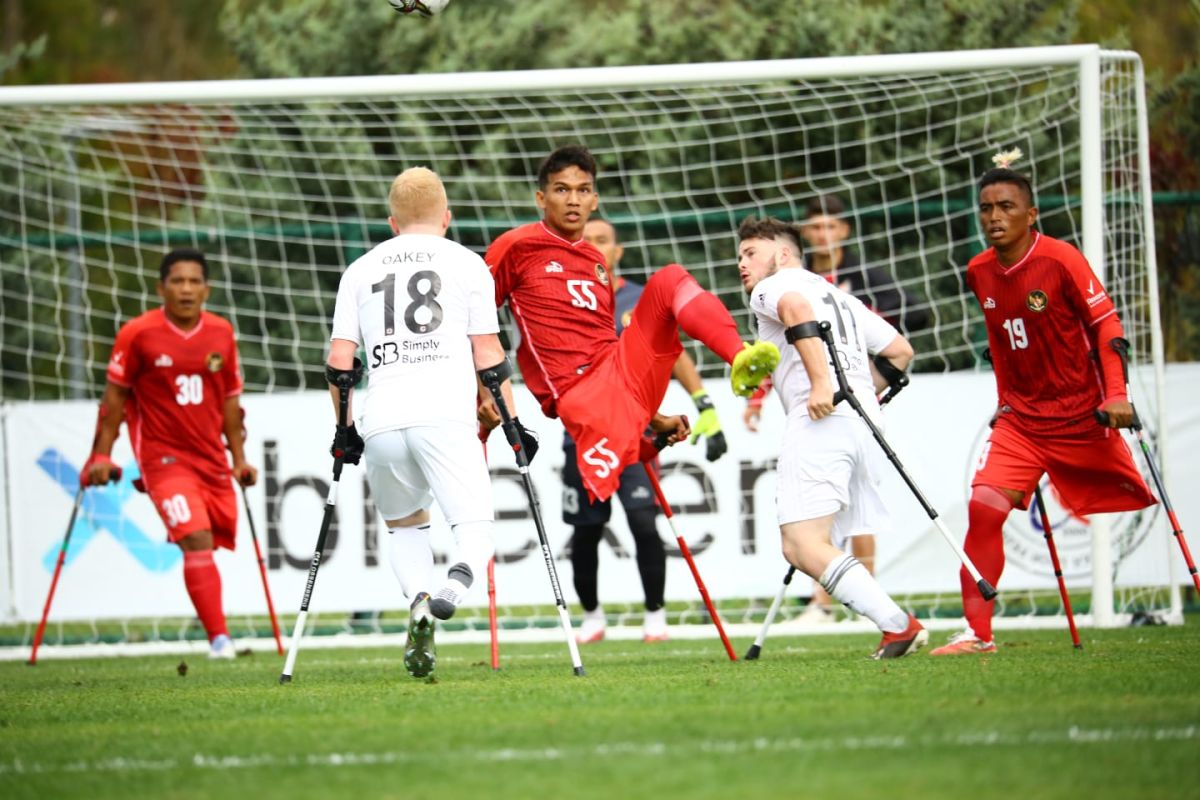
x: 1086, y: 59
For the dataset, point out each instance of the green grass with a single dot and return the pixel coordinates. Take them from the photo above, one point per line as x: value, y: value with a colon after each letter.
x: 813, y: 718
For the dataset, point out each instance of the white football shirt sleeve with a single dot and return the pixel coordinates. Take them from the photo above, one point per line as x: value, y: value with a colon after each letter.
x: 481, y: 301
x: 764, y: 300
x: 345, y: 311
x: 878, y: 333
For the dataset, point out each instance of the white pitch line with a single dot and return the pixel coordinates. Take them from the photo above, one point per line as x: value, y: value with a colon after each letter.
x: 977, y: 739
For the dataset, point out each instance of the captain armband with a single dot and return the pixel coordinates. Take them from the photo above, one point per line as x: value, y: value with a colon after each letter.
x: 804, y: 330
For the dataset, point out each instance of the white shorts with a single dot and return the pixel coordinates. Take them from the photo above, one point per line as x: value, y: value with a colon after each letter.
x: 832, y: 466
x: 410, y: 467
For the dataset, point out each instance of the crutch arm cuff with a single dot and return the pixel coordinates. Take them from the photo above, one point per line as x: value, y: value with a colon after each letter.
x: 804, y: 330
x: 344, y: 378
x: 496, y: 374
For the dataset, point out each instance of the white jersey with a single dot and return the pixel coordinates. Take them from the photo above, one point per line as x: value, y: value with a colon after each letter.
x: 412, y: 302
x: 858, y: 333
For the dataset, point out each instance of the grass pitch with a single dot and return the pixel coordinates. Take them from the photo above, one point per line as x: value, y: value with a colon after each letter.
x: 813, y: 718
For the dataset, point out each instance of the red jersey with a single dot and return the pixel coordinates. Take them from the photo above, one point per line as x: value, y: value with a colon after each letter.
x: 561, y: 298
x: 1040, y: 315
x: 178, y: 381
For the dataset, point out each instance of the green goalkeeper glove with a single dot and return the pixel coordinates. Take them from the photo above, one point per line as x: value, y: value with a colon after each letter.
x: 708, y: 425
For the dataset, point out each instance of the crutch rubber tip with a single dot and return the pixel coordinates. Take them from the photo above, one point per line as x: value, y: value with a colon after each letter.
x: 986, y: 589
x: 579, y: 673
x: 284, y: 679
x: 752, y: 653
x: 1078, y: 647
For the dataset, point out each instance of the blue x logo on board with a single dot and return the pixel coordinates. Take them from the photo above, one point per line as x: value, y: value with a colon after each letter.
x: 102, y: 510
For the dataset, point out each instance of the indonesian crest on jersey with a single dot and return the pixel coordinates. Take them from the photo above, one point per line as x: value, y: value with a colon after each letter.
x: 602, y: 275
x: 214, y: 362
x: 1037, y: 300
x: 626, y: 318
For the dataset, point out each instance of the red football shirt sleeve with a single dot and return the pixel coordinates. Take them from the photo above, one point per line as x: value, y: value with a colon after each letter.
x: 124, y: 364
x: 1085, y: 291
x: 500, y: 264
x: 231, y: 370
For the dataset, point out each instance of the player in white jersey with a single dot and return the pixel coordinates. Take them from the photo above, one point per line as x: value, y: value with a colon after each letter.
x: 830, y: 467
x: 424, y: 309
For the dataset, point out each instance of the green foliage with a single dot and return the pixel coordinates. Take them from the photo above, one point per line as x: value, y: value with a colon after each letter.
x: 813, y: 718
x: 319, y: 37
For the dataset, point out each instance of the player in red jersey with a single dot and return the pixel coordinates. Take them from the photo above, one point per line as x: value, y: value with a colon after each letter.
x: 605, y: 388
x: 1050, y: 325
x: 174, y: 377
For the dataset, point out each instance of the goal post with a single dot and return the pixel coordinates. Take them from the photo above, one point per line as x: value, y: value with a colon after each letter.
x: 283, y: 183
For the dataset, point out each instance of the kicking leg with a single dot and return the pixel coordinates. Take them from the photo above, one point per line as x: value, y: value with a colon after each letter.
x: 806, y: 546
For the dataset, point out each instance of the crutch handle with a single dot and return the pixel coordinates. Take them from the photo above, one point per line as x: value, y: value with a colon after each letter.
x: 1104, y: 421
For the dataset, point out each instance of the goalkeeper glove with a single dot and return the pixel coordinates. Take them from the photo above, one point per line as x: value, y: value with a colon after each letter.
x: 529, y: 441
x: 708, y: 425
x: 354, y: 446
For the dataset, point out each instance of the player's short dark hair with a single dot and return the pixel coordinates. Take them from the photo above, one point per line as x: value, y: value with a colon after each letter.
x: 771, y: 229
x: 570, y: 155
x: 1006, y: 175
x: 182, y: 254
x: 825, y: 205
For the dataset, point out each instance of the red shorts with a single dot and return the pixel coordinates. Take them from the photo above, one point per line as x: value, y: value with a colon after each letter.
x: 1092, y: 476
x: 609, y: 408
x: 188, y: 504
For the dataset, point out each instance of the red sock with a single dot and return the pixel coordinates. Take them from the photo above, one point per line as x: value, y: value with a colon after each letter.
x: 671, y: 300
x: 203, y: 583
x: 984, y: 545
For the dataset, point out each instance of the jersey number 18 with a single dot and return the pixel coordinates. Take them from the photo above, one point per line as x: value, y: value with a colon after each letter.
x: 424, y: 303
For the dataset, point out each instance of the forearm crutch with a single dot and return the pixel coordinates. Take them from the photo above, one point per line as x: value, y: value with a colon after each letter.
x: 62, y: 556
x: 1122, y: 348
x: 344, y: 380
x: 492, y: 628
x: 756, y: 648
x: 660, y: 442
x: 262, y: 570
x: 846, y: 393
x: 492, y: 377
x: 1058, y: 573
x: 493, y: 632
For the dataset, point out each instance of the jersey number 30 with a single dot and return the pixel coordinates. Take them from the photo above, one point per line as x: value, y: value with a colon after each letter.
x: 191, y: 390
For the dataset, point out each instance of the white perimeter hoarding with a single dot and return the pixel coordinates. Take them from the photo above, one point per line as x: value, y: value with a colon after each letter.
x: 120, y: 566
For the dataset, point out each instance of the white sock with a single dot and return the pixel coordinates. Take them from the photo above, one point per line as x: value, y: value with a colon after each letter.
x: 475, y: 549
x: 848, y: 581
x: 411, y: 558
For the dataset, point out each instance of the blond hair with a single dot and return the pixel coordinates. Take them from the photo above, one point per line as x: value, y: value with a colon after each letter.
x: 417, y: 196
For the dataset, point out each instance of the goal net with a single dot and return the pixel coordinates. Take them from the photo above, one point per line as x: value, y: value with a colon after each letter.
x: 283, y: 183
